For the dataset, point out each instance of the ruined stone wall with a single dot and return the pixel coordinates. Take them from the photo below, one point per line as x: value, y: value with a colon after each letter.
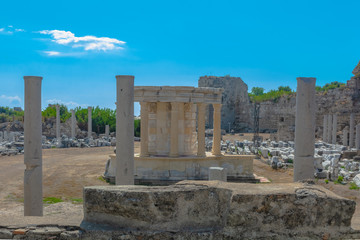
x: 236, y: 107
x: 278, y: 116
x: 341, y: 101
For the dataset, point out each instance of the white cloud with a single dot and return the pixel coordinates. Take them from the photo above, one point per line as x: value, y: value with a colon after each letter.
x: 19, y: 30
x: 69, y: 104
x: 10, y: 26
x: 10, y: 99
x: 2, y: 29
x: 51, y: 53
x: 86, y: 42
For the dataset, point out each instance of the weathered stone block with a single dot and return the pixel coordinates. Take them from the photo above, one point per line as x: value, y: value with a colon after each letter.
x: 219, y: 210
x: 173, y: 208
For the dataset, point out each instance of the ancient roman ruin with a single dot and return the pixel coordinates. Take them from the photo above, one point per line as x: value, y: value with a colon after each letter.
x: 176, y: 146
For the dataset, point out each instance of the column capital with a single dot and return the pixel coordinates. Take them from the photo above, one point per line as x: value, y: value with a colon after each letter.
x: 217, y: 106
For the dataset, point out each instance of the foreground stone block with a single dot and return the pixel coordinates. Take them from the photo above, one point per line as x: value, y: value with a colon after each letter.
x: 218, y: 210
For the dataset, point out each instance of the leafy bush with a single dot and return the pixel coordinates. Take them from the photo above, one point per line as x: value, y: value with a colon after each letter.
x: 328, y: 86
x: 257, y: 95
x: 327, y: 181
x: 339, y: 180
x: 353, y: 186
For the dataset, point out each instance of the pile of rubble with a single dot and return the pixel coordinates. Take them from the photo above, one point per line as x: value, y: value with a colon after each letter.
x: 12, y: 143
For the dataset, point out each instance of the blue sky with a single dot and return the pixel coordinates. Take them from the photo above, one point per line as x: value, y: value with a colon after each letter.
x: 79, y: 46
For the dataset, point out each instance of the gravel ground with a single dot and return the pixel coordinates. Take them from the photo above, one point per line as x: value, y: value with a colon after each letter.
x: 67, y: 171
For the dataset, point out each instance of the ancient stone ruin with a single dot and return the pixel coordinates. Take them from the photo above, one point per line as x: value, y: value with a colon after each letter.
x: 173, y: 137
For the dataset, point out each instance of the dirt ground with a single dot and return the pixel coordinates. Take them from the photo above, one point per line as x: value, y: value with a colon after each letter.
x: 67, y: 171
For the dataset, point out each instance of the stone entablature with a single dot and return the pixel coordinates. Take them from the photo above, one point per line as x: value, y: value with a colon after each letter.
x: 169, y: 117
x: 178, y: 94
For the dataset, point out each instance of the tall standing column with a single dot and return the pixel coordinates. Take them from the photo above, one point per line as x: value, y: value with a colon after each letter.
x: 58, y: 121
x: 33, y: 203
x: 351, y: 132
x: 89, y: 122
x: 73, y: 122
x: 334, y: 129
x: 216, y: 147
x: 124, y: 130
x: 174, y: 137
x: 304, y: 129
x: 107, y: 131
x: 144, y: 130
x: 329, y: 134
x: 357, y: 137
x: 345, y: 137
x: 325, y: 128
x: 201, y: 130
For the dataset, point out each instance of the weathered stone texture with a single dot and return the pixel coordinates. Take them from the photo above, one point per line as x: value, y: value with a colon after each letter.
x: 236, y: 108
x: 219, y: 210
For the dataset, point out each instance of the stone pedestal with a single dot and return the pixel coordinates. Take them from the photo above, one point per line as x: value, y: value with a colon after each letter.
x: 217, y: 173
x: 144, y: 131
x: 334, y: 129
x: 304, y: 129
x: 33, y: 203
x: 124, y: 130
x: 351, y: 131
x: 89, y: 122
x: 216, y: 147
x: 73, y: 123
x: 58, y: 122
x: 201, y: 130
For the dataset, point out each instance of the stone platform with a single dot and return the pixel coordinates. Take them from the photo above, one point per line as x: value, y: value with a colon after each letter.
x: 218, y: 210
x: 159, y: 170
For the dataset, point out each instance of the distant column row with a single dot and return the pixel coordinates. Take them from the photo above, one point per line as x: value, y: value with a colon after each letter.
x: 350, y: 136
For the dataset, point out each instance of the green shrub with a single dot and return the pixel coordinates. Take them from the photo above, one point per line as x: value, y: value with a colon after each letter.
x: 329, y: 86
x: 339, y: 180
x: 353, y: 186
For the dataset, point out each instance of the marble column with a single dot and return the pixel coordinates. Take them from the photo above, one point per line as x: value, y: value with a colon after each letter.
x: 107, y: 131
x: 124, y: 130
x: 351, y: 132
x: 216, y: 147
x: 174, y: 138
x: 144, y: 130
x: 73, y: 123
x: 33, y: 202
x: 329, y: 134
x: 304, y: 129
x: 325, y: 129
x: 345, y: 137
x: 357, y: 137
x: 201, y: 130
x: 58, y: 121
x: 334, y: 129
x: 1, y: 136
x: 6, y: 137
x: 89, y: 122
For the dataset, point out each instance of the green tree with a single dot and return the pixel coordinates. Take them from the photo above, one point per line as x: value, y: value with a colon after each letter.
x: 284, y: 89
x: 257, y: 91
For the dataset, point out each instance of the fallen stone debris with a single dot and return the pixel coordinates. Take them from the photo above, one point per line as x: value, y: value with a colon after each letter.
x: 12, y: 143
